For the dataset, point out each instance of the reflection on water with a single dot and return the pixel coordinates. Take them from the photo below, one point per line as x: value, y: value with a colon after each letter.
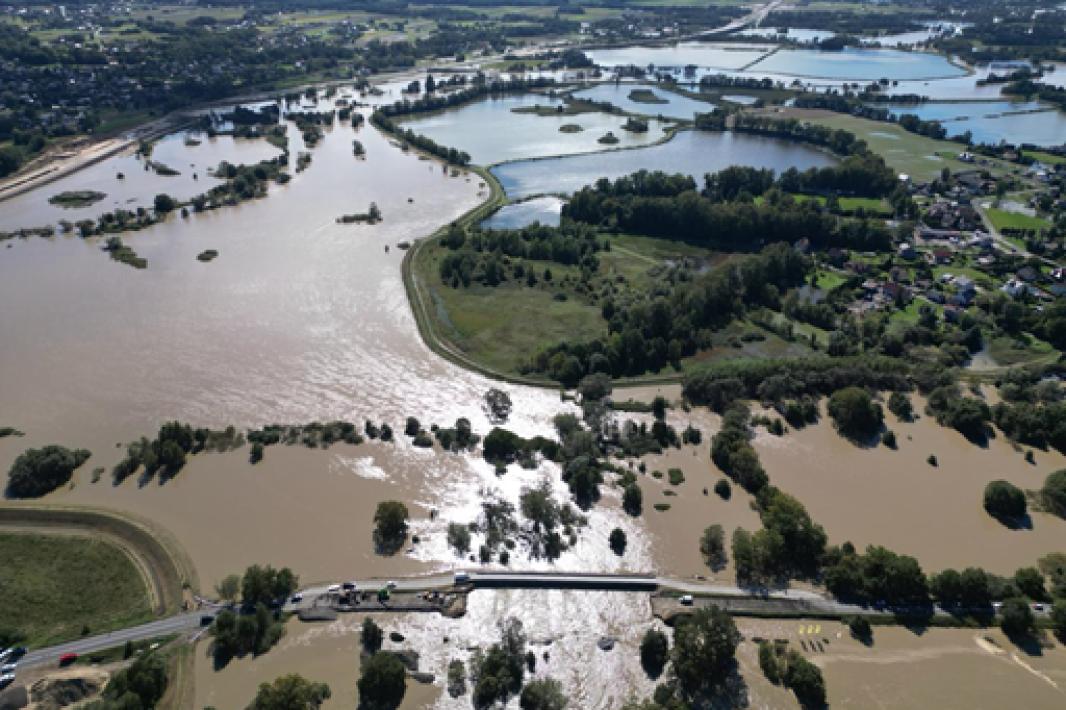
x: 139, y: 186
x: 695, y: 153
x: 521, y: 214
x: 491, y: 133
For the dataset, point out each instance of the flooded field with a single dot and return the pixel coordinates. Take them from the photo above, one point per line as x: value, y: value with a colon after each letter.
x: 862, y: 494
x: 695, y: 153
x: 139, y: 185
x: 324, y: 653
x: 994, y: 121
x: 700, y: 54
x: 665, y: 103
x: 856, y: 64
x: 475, y: 128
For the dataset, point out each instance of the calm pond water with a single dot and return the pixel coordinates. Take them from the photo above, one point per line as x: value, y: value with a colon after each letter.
x: 858, y: 64
x: 491, y: 132
x: 545, y: 210
x: 675, y: 106
x: 693, y: 152
x: 140, y: 186
x: 994, y: 121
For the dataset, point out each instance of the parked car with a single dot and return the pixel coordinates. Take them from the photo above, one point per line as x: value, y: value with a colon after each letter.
x: 686, y: 599
x: 9, y: 668
x: 18, y: 652
x: 67, y: 658
x: 333, y: 589
x: 296, y: 598
x: 462, y: 577
x: 6, y: 679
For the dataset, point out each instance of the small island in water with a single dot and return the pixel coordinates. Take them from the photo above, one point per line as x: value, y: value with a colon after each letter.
x: 76, y: 198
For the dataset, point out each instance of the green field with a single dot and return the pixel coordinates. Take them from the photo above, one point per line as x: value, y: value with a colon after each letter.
x: 1027, y: 349
x: 1002, y: 219
x: 501, y: 327
x: 53, y: 587
x: 920, y: 157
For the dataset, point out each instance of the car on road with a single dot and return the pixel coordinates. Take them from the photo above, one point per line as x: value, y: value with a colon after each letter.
x: 390, y: 585
x: 686, y: 599
x: 6, y: 679
x: 296, y: 598
x: 348, y: 586
x: 462, y: 577
x: 207, y: 620
x: 333, y: 589
x: 9, y: 668
x: 67, y: 658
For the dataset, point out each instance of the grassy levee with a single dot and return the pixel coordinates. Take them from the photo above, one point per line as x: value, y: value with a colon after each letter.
x: 161, y: 560
x: 421, y: 299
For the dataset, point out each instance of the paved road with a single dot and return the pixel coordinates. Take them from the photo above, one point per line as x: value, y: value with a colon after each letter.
x: 180, y: 623
x: 797, y: 600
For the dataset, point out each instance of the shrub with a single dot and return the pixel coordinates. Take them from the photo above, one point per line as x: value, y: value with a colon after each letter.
x: 723, y: 489
x: 618, y: 541
x: 632, y: 499
x: 1016, y: 618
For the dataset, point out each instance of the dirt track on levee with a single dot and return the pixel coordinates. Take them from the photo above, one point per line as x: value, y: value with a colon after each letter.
x: 165, y: 567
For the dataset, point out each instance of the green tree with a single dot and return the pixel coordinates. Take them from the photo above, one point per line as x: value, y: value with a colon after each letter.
x: 1016, y: 618
x: 371, y: 636
x: 229, y: 587
x: 704, y: 648
x: 632, y: 499
x: 459, y: 537
x: 1058, y: 618
x: 805, y: 680
x: 654, y: 652
x: 1004, y: 501
x: 164, y: 203
x: 382, y: 683
x: 617, y: 541
x: 1054, y: 493
x: 854, y: 413
x: 290, y: 692
x: 390, y: 531
x: 1030, y: 582
x: 39, y: 471
x: 712, y: 547
x: 543, y: 694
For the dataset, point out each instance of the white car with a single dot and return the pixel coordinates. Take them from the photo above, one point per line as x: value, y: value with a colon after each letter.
x: 461, y: 577
x: 8, y: 668
x: 296, y: 598
x: 333, y: 589
x: 390, y: 584
x: 686, y: 599
x: 6, y: 679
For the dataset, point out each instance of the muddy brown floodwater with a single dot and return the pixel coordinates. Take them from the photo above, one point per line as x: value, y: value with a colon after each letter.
x: 949, y: 669
x: 896, y: 499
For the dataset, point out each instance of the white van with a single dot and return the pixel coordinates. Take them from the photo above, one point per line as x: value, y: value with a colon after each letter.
x: 686, y: 599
